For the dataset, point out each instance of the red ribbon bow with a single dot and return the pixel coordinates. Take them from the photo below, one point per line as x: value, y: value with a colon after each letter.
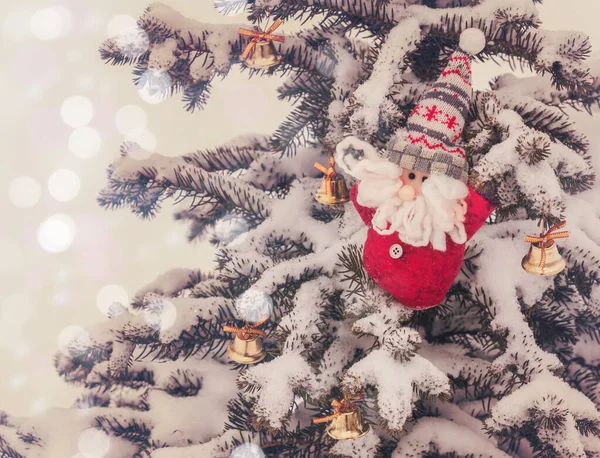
x: 329, y: 172
x: 249, y: 330
x: 343, y: 406
x: 258, y: 35
x: 546, y: 239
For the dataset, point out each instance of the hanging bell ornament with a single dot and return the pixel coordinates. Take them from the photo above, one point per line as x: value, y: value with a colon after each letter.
x: 246, y: 351
x: 262, y: 56
x: 247, y: 347
x: 333, y: 189
x: 532, y: 263
x: 346, y: 421
x: 261, y: 52
x: 348, y: 425
x: 543, y: 257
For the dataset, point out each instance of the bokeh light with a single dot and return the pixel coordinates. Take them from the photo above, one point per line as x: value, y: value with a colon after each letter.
x: 25, y: 192
x: 85, y: 142
x: 160, y: 312
x: 17, y: 309
x: 108, y: 296
x: 51, y: 23
x: 73, y: 341
x: 253, y: 305
x: 155, y: 85
x: 11, y: 256
x: 64, y: 185
x: 38, y: 406
x: 77, y: 111
x: 93, y: 443
x: 247, y: 451
x: 130, y: 117
x: 127, y: 35
x: 174, y: 238
x: 85, y: 82
x: 21, y: 350
x: 17, y: 381
x: 145, y: 139
x: 56, y: 233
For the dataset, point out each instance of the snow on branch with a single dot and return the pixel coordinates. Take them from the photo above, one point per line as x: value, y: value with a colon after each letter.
x: 372, y: 94
x: 560, y: 416
x: 183, y: 54
x: 363, y: 447
x: 444, y: 437
x: 277, y: 382
x: 221, y: 446
x: 395, y: 382
x: 130, y: 179
x: 172, y: 282
x: 301, y: 324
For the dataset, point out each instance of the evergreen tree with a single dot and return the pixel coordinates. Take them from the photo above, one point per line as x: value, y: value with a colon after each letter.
x: 506, y: 365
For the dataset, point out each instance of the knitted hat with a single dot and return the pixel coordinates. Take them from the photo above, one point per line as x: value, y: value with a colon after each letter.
x: 436, y: 124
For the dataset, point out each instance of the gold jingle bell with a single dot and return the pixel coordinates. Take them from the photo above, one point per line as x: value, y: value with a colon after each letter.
x: 247, y: 347
x: 543, y: 257
x: 246, y: 351
x: 261, y: 52
x: 348, y: 425
x: 263, y: 55
x: 333, y: 189
x: 553, y: 265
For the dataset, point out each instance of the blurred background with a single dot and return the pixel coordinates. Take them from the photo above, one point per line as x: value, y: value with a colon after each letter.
x: 63, y: 259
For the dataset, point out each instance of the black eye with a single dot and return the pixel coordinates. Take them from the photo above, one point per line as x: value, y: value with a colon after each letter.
x: 424, y: 178
x: 411, y: 176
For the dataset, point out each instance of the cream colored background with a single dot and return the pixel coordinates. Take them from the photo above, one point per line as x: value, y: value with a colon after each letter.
x: 111, y: 247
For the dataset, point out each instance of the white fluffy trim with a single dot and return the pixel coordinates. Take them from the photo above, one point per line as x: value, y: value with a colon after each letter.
x: 363, y: 153
x: 472, y: 41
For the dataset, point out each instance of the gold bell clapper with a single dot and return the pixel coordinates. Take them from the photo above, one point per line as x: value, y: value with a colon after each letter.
x: 247, y: 347
x: 543, y: 257
x: 333, y: 190
x: 346, y: 421
x: 261, y: 52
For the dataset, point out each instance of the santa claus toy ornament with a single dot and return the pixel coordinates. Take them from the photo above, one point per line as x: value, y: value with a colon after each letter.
x: 415, y: 199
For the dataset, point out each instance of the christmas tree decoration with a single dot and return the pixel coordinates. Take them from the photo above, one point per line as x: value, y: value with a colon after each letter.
x: 346, y: 421
x: 333, y: 190
x: 261, y: 52
x: 415, y: 198
x: 543, y: 257
x: 340, y: 286
x: 247, y: 347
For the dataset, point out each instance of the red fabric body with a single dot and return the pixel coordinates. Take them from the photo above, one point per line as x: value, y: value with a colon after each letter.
x: 422, y: 276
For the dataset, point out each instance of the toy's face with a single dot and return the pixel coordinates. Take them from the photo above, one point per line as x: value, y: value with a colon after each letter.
x: 411, y: 184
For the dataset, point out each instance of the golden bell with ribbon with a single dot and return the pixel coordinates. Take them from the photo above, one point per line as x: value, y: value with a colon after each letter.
x: 543, y: 257
x: 348, y: 425
x: 554, y: 262
x: 333, y: 190
x: 248, y: 351
x: 260, y: 52
x: 263, y: 55
x: 346, y: 420
x: 247, y: 347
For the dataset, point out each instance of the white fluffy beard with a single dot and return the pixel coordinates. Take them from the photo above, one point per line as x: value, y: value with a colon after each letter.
x: 438, y: 212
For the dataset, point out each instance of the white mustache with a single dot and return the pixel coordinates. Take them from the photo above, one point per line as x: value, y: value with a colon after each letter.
x: 438, y: 212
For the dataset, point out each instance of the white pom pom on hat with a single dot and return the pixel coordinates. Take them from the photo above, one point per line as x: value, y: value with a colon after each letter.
x: 472, y: 41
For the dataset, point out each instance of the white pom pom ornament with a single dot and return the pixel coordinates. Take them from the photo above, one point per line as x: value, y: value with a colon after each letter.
x: 472, y: 41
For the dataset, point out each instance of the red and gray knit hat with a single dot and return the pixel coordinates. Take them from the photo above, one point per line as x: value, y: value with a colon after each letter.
x: 435, y: 126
